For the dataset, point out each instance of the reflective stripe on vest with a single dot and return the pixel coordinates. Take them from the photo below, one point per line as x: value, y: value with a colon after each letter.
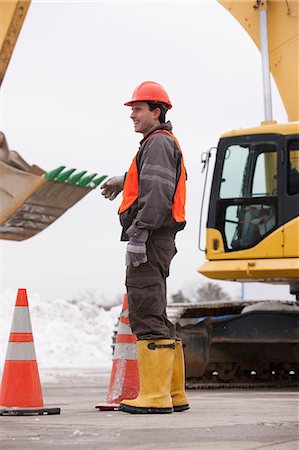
x: 131, y: 189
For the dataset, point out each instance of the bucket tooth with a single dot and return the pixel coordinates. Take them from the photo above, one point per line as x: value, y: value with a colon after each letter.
x: 76, y: 177
x: 54, y: 173
x: 63, y: 176
x: 87, y: 179
x: 94, y: 183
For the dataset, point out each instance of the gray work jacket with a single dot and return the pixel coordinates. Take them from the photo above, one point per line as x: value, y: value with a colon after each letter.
x: 159, y: 167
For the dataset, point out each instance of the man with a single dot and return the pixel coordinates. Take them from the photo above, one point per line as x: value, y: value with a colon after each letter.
x: 151, y: 213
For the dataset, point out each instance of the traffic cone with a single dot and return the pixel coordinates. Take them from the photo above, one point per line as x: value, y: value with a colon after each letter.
x: 21, y: 392
x: 124, y: 379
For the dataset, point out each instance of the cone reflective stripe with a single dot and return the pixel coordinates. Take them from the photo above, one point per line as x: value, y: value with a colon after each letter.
x: 20, y: 351
x: 21, y: 391
x: 126, y: 352
x: 124, y: 379
x: 21, y: 322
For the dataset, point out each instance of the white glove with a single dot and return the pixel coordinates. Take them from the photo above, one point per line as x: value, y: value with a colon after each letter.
x: 113, y: 187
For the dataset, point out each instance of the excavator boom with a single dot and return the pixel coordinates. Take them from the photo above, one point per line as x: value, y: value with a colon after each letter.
x: 283, y: 30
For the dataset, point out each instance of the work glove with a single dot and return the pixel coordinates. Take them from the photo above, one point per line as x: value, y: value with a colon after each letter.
x: 112, y: 187
x: 136, y: 249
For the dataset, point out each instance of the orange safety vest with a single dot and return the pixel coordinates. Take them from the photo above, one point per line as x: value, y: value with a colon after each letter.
x: 131, y: 188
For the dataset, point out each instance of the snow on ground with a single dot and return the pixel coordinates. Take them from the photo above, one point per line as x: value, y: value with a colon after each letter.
x: 67, y: 333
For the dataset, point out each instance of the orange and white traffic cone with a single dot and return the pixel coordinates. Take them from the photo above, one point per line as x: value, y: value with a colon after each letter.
x: 124, y: 379
x: 21, y: 392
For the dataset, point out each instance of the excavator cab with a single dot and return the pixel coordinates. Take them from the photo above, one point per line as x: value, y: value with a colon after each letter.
x: 261, y: 196
x: 253, y: 224
x: 247, y: 200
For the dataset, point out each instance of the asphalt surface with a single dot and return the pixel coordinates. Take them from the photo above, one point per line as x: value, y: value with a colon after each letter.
x: 219, y: 419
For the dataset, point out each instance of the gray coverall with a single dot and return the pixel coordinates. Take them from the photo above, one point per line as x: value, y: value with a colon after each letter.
x: 159, y: 167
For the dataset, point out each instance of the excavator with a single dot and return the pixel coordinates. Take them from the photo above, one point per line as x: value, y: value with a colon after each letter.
x: 31, y: 198
x: 252, y: 226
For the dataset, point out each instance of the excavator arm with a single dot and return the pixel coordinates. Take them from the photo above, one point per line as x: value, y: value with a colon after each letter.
x: 12, y: 16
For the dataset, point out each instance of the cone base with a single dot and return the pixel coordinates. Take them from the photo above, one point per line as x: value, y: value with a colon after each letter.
x: 28, y: 411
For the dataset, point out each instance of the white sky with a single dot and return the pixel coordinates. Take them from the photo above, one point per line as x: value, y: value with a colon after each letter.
x: 74, y: 65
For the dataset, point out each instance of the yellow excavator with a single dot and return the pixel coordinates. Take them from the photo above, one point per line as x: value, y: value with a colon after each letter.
x: 31, y: 198
x: 253, y: 224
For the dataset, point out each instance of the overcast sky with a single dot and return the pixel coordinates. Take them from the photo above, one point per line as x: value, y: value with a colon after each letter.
x: 73, y: 67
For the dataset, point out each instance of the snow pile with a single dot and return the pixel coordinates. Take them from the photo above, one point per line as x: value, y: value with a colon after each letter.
x: 67, y: 334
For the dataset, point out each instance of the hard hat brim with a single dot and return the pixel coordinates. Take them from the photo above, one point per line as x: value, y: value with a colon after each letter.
x: 130, y: 103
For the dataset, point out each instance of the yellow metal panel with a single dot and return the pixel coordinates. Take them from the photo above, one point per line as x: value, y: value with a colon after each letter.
x: 284, y: 129
x: 214, y: 244
x: 265, y: 270
x: 270, y: 165
x: 270, y: 247
x: 283, y: 31
x: 7, y: 10
x: 291, y: 238
x: 12, y: 15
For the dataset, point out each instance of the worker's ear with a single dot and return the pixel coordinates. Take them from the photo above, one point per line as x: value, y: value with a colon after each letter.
x: 156, y: 113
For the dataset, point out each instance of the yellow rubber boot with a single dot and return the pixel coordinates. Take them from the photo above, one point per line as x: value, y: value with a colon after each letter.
x: 155, y: 362
x: 177, y: 391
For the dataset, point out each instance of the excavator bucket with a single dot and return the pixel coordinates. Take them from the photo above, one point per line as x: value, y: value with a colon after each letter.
x: 32, y: 199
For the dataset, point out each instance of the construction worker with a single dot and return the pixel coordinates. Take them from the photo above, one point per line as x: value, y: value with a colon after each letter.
x: 151, y: 213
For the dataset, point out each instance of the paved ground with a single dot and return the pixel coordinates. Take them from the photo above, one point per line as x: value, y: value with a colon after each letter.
x: 231, y: 419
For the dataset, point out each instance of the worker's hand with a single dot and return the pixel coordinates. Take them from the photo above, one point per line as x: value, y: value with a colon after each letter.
x: 113, y: 187
x: 136, y: 249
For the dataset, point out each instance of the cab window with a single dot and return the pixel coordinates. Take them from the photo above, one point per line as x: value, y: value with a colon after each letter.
x: 249, y: 192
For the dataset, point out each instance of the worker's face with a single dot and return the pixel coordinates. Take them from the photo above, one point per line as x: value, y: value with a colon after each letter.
x: 144, y: 119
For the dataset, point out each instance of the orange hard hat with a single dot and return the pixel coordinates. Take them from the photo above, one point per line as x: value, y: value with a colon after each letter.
x: 150, y: 91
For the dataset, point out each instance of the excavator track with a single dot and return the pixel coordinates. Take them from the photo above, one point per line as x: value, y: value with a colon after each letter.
x: 244, y: 378
x: 239, y: 345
